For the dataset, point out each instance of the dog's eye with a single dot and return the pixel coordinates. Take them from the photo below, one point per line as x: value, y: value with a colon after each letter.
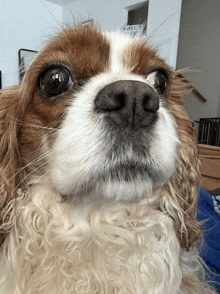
x: 158, y: 80
x: 55, y: 81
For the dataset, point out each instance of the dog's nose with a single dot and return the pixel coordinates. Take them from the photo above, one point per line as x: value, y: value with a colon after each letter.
x: 129, y: 103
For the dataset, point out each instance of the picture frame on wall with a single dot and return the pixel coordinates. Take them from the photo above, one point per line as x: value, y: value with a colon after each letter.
x: 25, y: 56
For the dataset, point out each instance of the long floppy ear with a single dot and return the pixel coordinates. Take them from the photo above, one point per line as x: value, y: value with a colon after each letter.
x: 10, y: 112
x: 183, y: 187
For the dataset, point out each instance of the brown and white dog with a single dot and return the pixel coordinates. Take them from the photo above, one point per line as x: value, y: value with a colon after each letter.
x: 99, y: 173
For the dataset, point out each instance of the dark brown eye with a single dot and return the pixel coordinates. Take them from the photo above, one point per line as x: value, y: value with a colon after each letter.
x: 158, y: 80
x: 55, y: 81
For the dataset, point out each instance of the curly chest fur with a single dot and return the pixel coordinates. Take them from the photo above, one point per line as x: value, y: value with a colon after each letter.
x: 89, y: 248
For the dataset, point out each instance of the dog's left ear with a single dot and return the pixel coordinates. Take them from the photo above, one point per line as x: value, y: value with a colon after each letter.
x: 10, y: 113
x: 183, y: 187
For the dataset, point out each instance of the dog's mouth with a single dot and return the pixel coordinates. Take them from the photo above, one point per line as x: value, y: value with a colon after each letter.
x: 127, y: 172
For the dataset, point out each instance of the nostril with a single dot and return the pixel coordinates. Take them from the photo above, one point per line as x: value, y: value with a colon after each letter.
x: 150, y: 103
x: 117, y: 101
x: 110, y: 100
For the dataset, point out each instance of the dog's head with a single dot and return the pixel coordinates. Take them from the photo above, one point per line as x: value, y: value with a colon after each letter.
x: 100, y: 115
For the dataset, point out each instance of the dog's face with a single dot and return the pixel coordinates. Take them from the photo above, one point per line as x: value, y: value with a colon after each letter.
x: 99, y: 115
x: 107, y: 96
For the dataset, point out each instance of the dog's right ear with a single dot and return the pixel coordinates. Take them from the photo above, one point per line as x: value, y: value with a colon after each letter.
x: 10, y: 114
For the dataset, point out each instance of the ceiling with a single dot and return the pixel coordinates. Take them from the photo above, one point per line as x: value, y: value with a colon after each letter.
x: 61, y: 2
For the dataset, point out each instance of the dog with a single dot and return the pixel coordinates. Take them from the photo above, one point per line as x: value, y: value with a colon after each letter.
x: 99, y: 172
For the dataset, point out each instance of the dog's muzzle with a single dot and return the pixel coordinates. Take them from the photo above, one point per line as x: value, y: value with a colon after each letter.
x: 131, y: 104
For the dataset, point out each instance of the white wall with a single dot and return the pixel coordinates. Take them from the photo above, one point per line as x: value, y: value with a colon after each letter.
x: 111, y: 15
x: 23, y: 24
x: 199, y: 49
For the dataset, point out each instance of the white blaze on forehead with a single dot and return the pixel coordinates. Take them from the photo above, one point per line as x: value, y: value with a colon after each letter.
x: 118, y: 43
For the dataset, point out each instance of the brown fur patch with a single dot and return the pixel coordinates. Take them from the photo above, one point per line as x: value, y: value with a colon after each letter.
x: 143, y: 59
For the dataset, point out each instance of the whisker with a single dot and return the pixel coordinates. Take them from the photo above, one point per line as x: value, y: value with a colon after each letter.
x: 152, y: 34
x: 37, y: 126
x: 17, y: 186
x: 20, y: 122
x: 42, y: 156
x: 50, y: 12
x: 167, y: 41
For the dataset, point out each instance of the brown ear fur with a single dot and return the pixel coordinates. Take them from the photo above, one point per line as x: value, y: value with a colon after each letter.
x: 184, y: 185
x: 10, y: 113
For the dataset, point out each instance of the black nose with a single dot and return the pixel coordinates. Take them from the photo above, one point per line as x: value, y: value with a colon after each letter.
x: 129, y: 103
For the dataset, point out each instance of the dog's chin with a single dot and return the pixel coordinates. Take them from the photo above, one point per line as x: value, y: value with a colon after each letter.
x: 124, y: 184
x: 113, y: 191
x: 126, y: 192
